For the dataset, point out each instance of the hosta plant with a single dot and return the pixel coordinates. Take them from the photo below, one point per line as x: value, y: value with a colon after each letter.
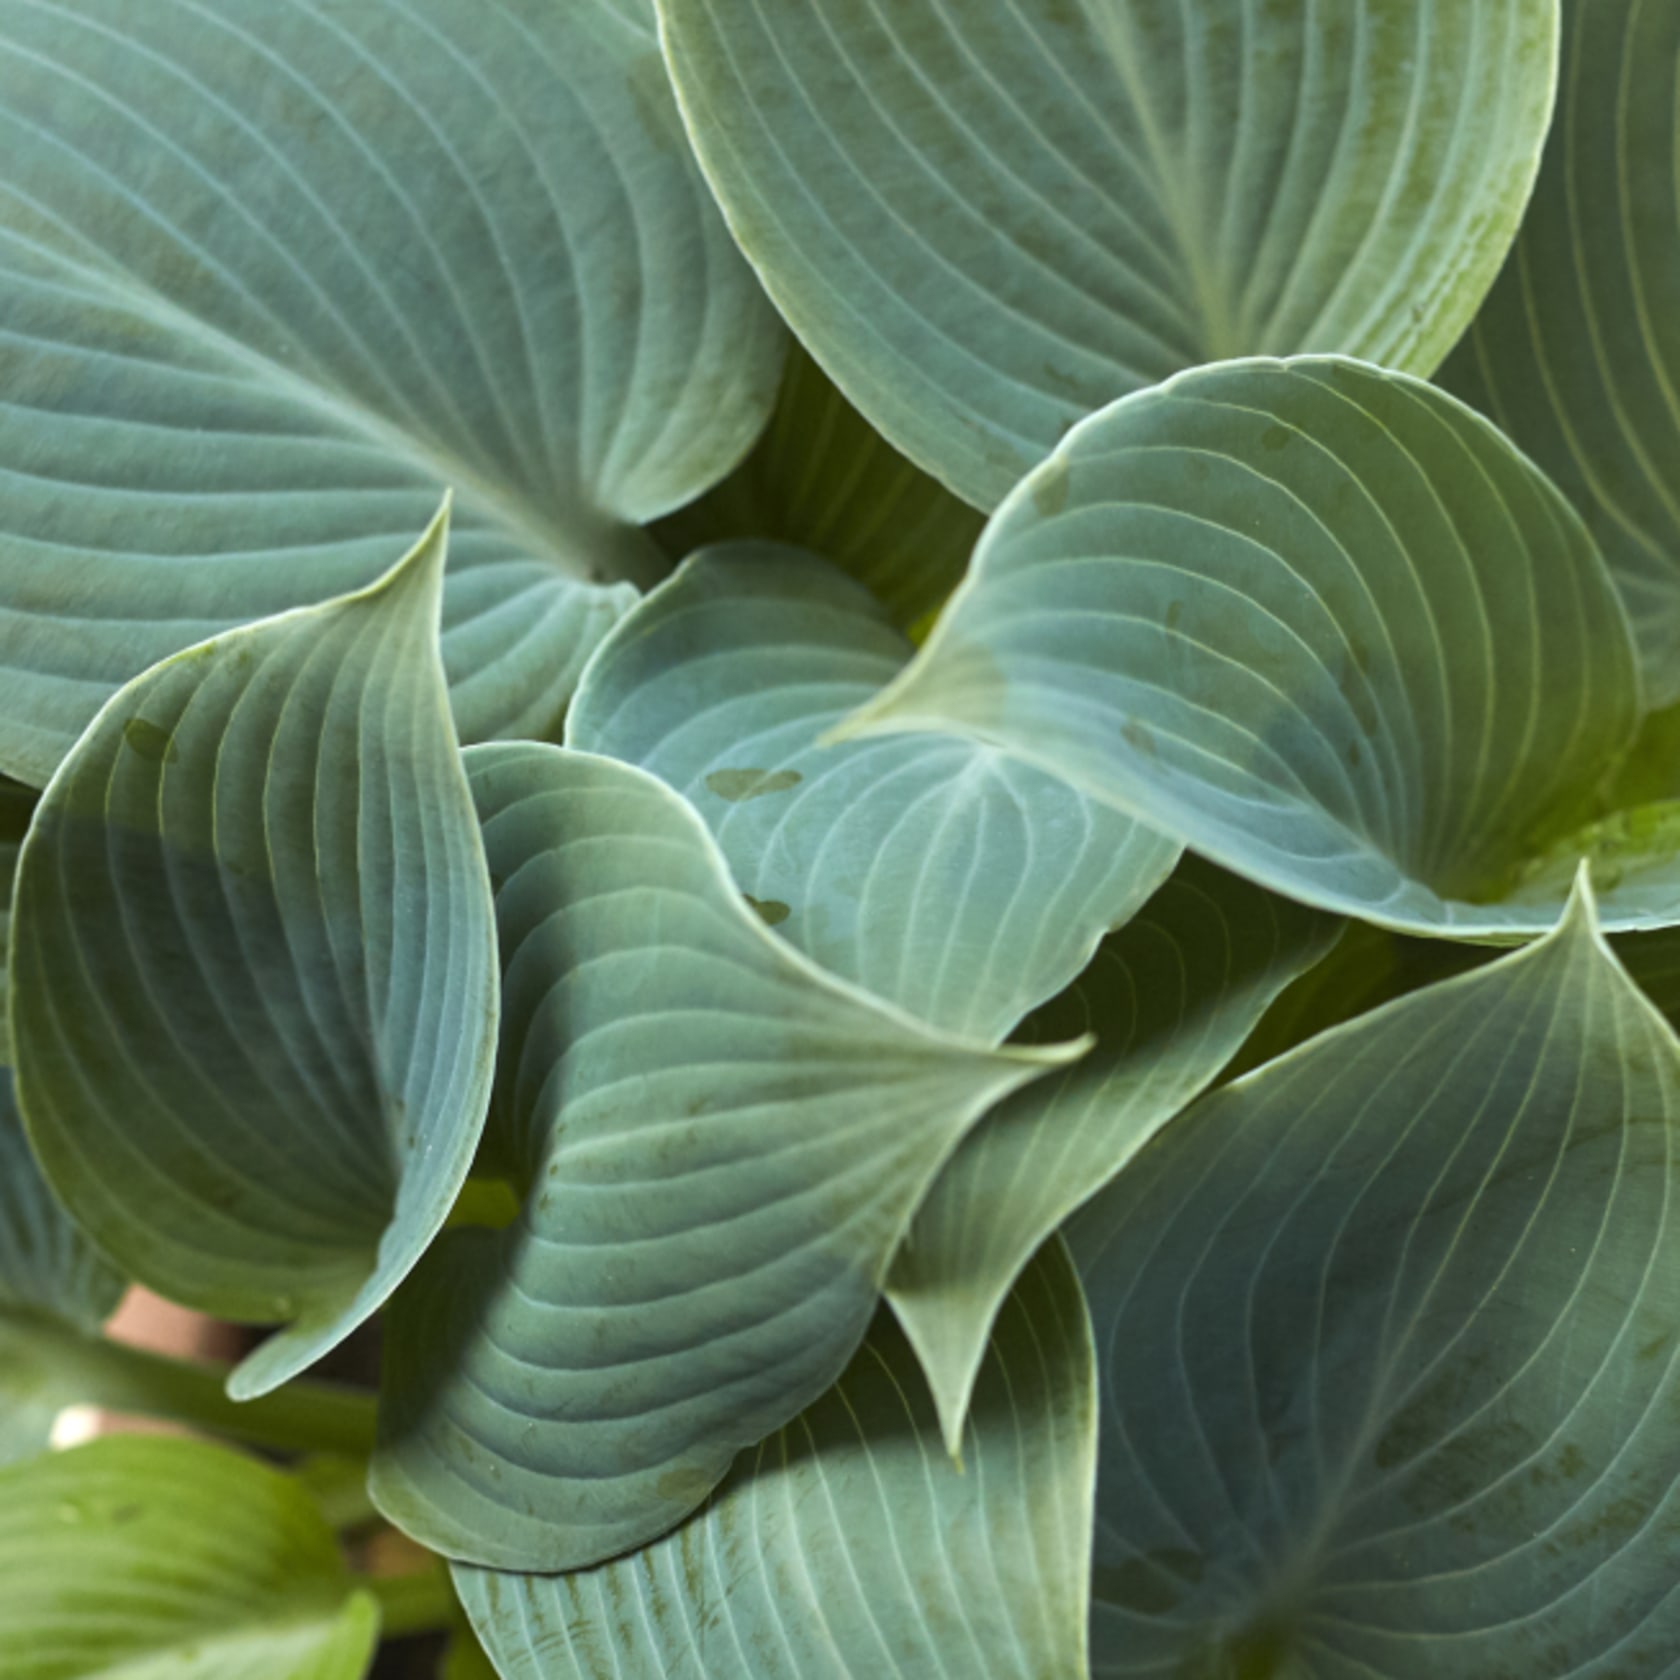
x: 896, y: 784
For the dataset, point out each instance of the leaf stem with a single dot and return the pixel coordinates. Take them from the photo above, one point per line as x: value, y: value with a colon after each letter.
x: 301, y: 1417
x: 421, y: 1601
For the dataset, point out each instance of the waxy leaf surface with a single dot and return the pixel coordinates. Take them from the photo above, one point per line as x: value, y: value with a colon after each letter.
x: 254, y: 968
x: 275, y: 273
x: 717, y: 1149
x: 1389, y: 1347
x: 936, y: 873
x: 847, y: 1546
x: 1169, y: 997
x: 987, y: 218
x: 1323, y: 624
x: 1576, y: 352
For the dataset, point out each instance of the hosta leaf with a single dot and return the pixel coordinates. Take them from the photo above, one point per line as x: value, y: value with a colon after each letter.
x: 275, y: 272
x: 162, y: 1559
x: 1324, y: 625
x: 47, y: 1268
x: 1390, y: 1350
x: 254, y: 968
x: 717, y: 1147
x: 934, y: 872
x: 823, y: 478
x: 17, y: 806
x: 1576, y: 352
x: 847, y: 1547
x: 1170, y: 997
x: 987, y: 219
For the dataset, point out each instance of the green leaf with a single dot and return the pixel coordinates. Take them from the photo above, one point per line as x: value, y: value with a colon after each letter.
x: 17, y: 808
x: 988, y: 219
x: 274, y: 275
x: 163, y: 1559
x: 847, y: 1547
x: 1576, y: 352
x: 254, y: 968
x: 718, y: 1147
x: 1324, y: 625
x: 823, y: 478
x: 935, y: 873
x: 1391, y: 1351
x: 1170, y: 997
x: 47, y: 1267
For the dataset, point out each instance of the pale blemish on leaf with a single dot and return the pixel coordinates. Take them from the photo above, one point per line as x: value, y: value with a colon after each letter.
x: 738, y: 786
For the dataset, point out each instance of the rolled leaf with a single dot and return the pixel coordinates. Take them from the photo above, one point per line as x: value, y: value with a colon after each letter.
x: 1323, y: 624
x: 935, y: 873
x: 1390, y: 1350
x: 847, y: 1547
x: 1576, y: 352
x: 1169, y: 998
x: 254, y: 968
x: 717, y: 1148
x: 987, y: 220
x: 157, y: 1557
x: 272, y: 277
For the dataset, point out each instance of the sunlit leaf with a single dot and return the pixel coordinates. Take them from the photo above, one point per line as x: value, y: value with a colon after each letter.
x: 936, y: 873
x: 1327, y: 627
x: 273, y: 273
x: 847, y: 1547
x: 1169, y: 998
x: 987, y: 219
x: 717, y: 1147
x: 161, y: 1559
x: 823, y: 478
x: 1576, y: 352
x: 1389, y: 1347
x: 254, y: 968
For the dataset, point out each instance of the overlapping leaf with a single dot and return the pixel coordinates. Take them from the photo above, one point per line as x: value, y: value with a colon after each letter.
x: 254, y: 968
x: 162, y: 1559
x: 48, y: 1269
x: 847, y: 1547
x: 1576, y: 352
x: 718, y: 1148
x: 1170, y: 997
x: 823, y: 478
x: 933, y: 872
x: 989, y: 218
x: 273, y: 273
x: 1326, y: 626
x: 1389, y: 1347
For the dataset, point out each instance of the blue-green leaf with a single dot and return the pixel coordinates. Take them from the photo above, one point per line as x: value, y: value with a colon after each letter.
x: 717, y: 1146
x: 847, y: 1547
x: 1169, y: 997
x: 254, y: 968
x: 274, y: 273
x: 1324, y: 625
x: 1576, y: 352
x: 1389, y: 1347
x: 987, y: 218
x: 161, y: 1559
x: 935, y: 873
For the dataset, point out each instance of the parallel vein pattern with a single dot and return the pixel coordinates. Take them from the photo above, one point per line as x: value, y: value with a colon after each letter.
x: 1576, y: 352
x: 255, y: 968
x: 718, y: 1148
x: 847, y: 1547
x: 987, y: 218
x: 155, y: 1557
x: 1390, y: 1350
x: 936, y: 873
x: 273, y: 273
x: 1169, y: 998
x: 1321, y: 623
